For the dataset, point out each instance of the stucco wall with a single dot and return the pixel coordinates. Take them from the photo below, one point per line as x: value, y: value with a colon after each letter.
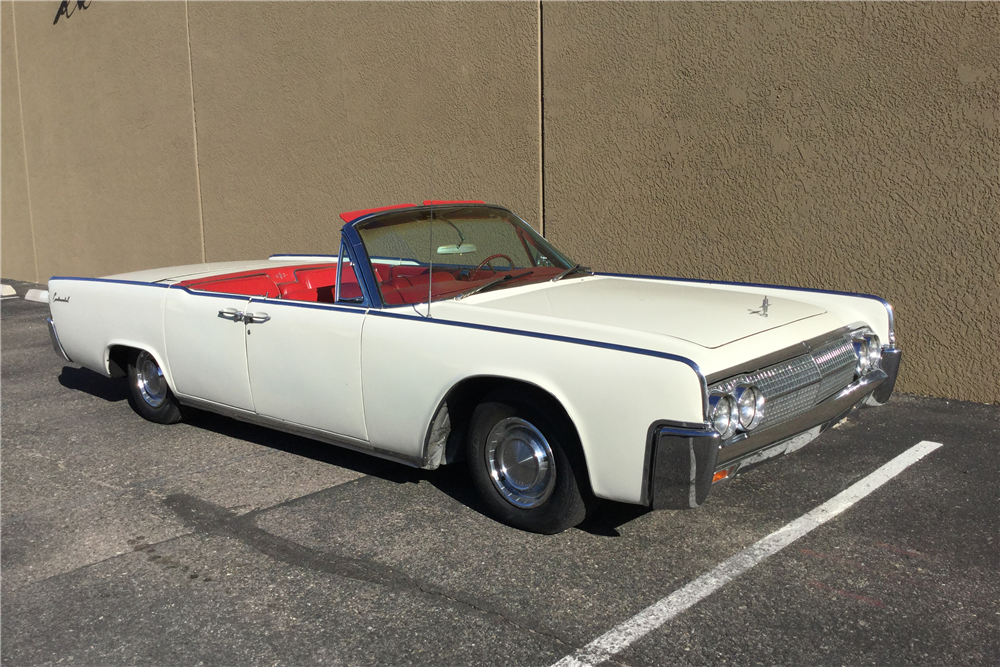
x: 842, y: 146
x: 17, y: 257
x: 837, y: 146
x: 107, y: 123
x: 305, y: 110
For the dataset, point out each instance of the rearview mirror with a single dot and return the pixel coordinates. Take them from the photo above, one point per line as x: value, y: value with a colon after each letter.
x: 456, y: 249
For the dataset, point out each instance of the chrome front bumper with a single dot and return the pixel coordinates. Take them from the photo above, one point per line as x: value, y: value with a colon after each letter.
x: 685, y: 460
x: 54, y: 337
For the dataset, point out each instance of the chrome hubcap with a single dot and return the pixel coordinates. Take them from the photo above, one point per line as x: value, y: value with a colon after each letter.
x: 520, y: 463
x: 149, y: 380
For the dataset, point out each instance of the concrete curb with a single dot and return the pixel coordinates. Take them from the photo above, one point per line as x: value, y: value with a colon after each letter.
x: 19, y: 288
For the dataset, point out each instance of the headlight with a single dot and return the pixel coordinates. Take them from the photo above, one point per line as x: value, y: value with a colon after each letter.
x: 750, y: 402
x: 861, y: 352
x: 874, y: 350
x: 724, y: 413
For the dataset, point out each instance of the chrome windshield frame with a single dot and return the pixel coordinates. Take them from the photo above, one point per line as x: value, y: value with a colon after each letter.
x: 363, y: 262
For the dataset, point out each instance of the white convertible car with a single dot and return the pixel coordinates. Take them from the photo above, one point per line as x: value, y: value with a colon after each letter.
x: 452, y: 331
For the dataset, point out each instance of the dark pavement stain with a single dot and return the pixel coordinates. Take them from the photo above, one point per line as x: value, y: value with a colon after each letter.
x: 207, y: 518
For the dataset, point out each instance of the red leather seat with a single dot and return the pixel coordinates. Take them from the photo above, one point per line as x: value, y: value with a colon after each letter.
x: 300, y: 295
x: 318, y: 277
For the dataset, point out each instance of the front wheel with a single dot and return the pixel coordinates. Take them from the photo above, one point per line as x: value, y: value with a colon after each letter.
x: 527, y: 468
x: 150, y: 396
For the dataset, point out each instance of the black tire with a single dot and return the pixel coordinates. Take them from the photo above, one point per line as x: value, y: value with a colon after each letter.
x: 149, y: 394
x: 549, y: 494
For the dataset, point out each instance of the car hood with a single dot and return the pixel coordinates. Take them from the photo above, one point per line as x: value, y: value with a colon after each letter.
x: 710, y: 316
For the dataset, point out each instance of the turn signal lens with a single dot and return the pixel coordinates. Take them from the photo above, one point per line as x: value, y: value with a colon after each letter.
x: 719, y: 476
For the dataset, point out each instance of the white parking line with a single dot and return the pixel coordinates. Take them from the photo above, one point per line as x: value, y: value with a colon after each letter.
x: 654, y: 616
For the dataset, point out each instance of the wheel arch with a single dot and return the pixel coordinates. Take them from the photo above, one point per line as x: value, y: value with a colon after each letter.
x: 117, y: 353
x: 461, y: 400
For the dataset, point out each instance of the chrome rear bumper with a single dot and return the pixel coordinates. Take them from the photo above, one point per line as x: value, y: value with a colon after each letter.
x: 685, y: 460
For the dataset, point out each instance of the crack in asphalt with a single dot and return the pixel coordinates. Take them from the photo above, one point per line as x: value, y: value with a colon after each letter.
x: 207, y: 518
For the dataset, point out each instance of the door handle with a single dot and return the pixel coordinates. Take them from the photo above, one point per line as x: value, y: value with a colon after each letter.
x: 256, y: 318
x: 227, y: 313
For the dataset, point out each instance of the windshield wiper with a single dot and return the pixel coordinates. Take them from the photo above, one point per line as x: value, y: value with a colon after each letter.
x: 572, y: 269
x: 496, y: 281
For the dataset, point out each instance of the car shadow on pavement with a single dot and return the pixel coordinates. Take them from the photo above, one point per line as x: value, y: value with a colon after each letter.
x: 95, y: 384
x: 358, y: 462
x: 609, y: 516
x: 455, y: 481
x: 452, y: 480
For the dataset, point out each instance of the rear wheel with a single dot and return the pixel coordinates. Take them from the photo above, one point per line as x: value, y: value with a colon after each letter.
x: 150, y: 396
x: 527, y: 467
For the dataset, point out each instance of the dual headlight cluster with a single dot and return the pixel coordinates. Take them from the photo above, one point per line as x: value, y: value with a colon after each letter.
x: 868, y: 349
x: 742, y: 409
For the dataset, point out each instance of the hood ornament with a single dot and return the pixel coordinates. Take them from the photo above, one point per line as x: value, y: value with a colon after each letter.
x: 762, y: 311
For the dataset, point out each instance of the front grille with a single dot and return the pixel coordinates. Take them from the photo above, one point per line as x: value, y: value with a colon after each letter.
x: 795, y: 386
x: 836, y: 362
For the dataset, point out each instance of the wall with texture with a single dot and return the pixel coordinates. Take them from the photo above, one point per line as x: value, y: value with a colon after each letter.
x: 106, y: 101
x: 841, y: 146
x: 17, y: 254
x: 305, y: 110
x: 837, y: 146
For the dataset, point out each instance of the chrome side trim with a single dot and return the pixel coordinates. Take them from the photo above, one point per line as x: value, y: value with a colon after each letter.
x: 110, y: 280
x: 54, y: 337
x: 344, y: 441
x: 293, y: 255
x: 218, y: 295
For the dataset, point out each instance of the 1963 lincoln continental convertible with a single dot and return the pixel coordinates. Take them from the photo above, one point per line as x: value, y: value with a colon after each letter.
x: 451, y: 330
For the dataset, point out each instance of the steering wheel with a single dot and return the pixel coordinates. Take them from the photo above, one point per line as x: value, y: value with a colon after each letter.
x: 486, y: 262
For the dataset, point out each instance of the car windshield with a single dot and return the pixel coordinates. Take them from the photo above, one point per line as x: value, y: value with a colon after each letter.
x: 451, y: 252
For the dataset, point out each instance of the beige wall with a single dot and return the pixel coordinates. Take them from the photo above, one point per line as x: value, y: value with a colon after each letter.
x: 17, y: 256
x: 106, y: 97
x: 836, y: 146
x: 841, y: 146
x: 306, y: 110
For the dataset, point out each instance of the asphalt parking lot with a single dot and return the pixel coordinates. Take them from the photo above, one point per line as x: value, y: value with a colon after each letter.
x: 213, y: 542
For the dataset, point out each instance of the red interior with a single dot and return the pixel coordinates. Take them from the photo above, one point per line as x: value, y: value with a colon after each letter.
x: 317, y: 282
